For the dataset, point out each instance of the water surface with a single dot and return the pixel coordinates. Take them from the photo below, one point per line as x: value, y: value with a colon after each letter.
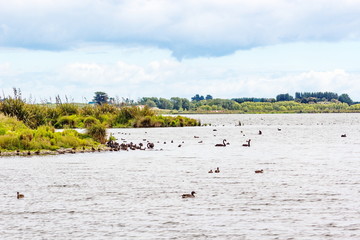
x: 309, y: 189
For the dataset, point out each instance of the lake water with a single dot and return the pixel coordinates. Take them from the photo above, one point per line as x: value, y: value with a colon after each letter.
x: 310, y: 187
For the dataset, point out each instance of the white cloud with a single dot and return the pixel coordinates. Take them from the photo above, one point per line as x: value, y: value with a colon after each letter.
x: 5, y: 68
x: 169, y: 78
x: 188, y: 28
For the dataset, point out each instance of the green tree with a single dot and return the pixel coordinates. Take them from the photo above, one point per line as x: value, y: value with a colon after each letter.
x: 100, y: 98
x: 177, y: 102
x: 165, y: 104
x: 197, y: 98
x: 284, y: 97
x: 345, y: 99
x: 185, y: 104
x: 150, y: 103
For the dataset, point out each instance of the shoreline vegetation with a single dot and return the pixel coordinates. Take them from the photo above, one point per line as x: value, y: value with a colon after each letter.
x: 308, y: 102
x: 28, y: 128
x: 285, y: 107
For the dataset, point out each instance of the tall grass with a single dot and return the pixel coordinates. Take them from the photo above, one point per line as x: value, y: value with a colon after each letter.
x: 69, y: 115
x: 97, y: 132
x: 16, y: 136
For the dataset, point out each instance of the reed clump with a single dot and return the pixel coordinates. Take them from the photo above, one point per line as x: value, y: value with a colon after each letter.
x: 70, y: 115
x: 15, y: 135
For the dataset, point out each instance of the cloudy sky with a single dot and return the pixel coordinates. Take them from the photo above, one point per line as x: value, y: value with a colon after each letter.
x: 166, y: 48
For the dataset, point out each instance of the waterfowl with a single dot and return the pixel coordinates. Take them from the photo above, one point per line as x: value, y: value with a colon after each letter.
x: 260, y: 132
x: 20, y: 195
x: 211, y: 171
x: 217, y: 170
x: 186, y: 195
x: 343, y: 135
x: 259, y: 171
x: 247, y: 144
x: 221, y: 145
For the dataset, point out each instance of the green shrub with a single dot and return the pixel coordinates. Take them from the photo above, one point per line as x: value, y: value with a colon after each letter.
x: 2, y: 131
x: 66, y: 122
x: 88, y: 121
x: 97, y: 132
x: 9, y: 142
x: 67, y: 109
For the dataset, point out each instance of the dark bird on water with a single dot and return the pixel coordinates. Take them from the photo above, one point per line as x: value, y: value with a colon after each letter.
x: 186, y: 195
x: 19, y: 195
x: 221, y: 145
x: 247, y: 144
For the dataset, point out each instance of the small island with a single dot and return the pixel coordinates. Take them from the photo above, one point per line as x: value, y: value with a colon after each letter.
x: 27, y: 129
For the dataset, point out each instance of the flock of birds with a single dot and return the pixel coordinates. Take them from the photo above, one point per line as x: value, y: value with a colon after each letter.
x: 114, y: 146
x: 217, y: 170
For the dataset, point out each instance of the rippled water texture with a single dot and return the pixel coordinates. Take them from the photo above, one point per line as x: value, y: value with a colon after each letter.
x: 310, y: 187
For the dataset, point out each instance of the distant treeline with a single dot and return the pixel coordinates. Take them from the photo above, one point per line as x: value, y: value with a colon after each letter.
x: 247, y: 99
x: 314, y: 97
x: 163, y: 103
x: 208, y: 103
x: 303, y: 102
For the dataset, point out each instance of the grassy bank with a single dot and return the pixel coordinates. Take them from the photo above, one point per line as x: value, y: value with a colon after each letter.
x: 31, y: 127
x: 15, y: 135
x: 68, y: 115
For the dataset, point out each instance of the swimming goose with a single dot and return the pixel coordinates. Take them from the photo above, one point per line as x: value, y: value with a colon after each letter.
x: 186, y: 195
x: 259, y: 171
x: 221, y: 145
x: 20, y: 195
x: 217, y: 170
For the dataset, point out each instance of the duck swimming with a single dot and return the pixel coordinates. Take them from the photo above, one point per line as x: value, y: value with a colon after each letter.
x: 186, y: 195
x: 217, y: 170
x: 259, y: 171
x: 20, y: 195
x: 221, y: 145
x: 247, y: 144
